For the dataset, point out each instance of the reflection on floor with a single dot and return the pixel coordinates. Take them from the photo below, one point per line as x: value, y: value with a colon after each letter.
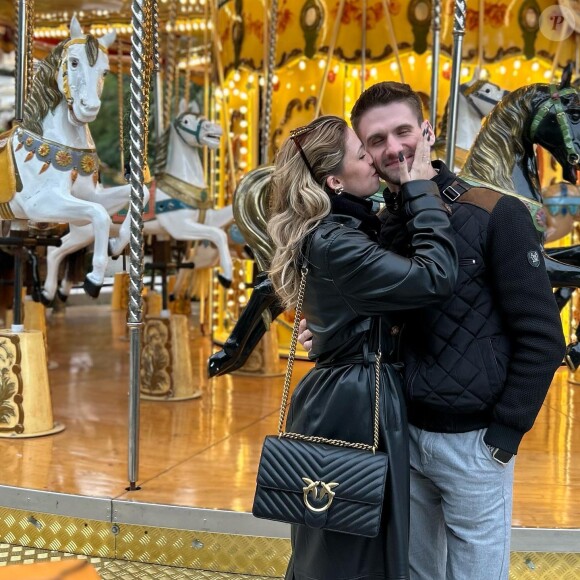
x: 524, y: 566
x: 115, y: 569
x: 204, y: 452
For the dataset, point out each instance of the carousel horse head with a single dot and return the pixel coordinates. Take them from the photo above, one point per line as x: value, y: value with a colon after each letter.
x: 503, y: 154
x: 477, y: 98
x: 194, y: 129
x: 481, y: 95
x: 562, y: 202
x: 73, y: 72
x: 189, y: 131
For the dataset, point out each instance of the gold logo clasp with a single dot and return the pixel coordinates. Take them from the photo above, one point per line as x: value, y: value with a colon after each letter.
x: 319, y: 491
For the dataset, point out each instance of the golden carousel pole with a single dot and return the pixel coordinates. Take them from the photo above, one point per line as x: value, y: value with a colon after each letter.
x: 364, y: 47
x: 144, y: 20
x: 392, y: 36
x: 331, y: 48
x: 458, y: 33
x: 436, y: 53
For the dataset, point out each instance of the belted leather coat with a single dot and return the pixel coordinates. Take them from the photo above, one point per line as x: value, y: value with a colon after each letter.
x: 351, y: 284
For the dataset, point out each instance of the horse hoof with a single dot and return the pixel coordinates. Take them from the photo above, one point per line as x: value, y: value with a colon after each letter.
x: 225, y: 282
x: 91, y: 288
x: 48, y: 302
x: 62, y: 297
x: 111, y: 253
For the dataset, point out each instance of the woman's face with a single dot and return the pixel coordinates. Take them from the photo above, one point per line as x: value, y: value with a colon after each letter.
x: 358, y: 176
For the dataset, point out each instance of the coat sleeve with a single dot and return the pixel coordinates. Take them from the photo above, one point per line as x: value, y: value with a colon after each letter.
x: 524, y: 295
x: 373, y: 280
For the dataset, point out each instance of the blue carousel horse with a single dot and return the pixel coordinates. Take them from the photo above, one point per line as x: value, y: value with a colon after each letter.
x: 502, y: 158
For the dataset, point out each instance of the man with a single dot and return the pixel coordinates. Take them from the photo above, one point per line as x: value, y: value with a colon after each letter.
x: 478, y: 366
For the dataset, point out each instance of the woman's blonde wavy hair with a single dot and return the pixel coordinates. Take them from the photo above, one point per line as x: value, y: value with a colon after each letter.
x: 299, y: 196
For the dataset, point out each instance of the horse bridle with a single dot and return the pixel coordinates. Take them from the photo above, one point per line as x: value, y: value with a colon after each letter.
x: 64, y: 62
x: 473, y: 91
x: 555, y: 101
x: 180, y: 127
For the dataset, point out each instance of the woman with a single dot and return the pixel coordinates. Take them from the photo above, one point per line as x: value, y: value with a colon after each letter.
x: 320, y: 215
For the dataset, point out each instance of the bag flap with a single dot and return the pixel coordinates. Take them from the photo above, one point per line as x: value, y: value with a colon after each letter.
x: 360, y: 474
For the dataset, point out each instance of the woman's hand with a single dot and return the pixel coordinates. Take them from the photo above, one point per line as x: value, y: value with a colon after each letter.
x: 421, y: 168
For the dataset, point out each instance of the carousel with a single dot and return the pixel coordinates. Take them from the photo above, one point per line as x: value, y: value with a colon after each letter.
x: 142, y: 354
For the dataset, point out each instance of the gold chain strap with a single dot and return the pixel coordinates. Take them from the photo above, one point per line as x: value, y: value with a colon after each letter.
x: 288, y: 377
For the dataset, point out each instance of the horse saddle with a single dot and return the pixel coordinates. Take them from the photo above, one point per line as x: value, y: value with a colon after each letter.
x: 10, y: 183
x: 189, y: 194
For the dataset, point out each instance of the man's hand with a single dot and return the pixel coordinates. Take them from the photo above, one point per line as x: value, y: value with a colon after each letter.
x: 304, y: 335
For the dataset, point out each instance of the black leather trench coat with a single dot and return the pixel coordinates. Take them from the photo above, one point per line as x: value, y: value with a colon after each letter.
x: 351, y: 283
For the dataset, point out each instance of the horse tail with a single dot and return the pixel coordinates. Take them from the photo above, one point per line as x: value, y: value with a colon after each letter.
x: 251, y: 209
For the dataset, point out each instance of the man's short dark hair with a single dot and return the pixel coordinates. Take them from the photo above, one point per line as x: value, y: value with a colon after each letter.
x: 385, y: 93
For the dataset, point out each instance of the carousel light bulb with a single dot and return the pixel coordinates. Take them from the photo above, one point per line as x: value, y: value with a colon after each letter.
x: 302, y: 65
x: 241, y: 286
x: 429, y: 59
x: 313, y: 87
x: 393, y: 66
x: 347, y: 99
x: 548, y: 74
x: 288, y: 86
x: 261, y: 82
x: 251, y: 78
x: 231, y: 84
x: 411, y: 60
x: 535, y: 66
x: 335, y: 69
x: 321, y: 63
x: 215, y: 316
x: 275, y: 79
x: 502, y: 70
x: 237, y: 77
x: 464, y: 71
x: 243, y: 137
x: 242, y: 299
x: 243, y: 164
x: 226, y: 92
x: 218, y: 93
x: 243, y: 109
x: 240, y: 272
x: 236, y: 92
x: 244, y: 150
x: 188, y: 27
x: 301, y: 89
x: 446, y: 66
x: 373, y: 72
x: 243, y: 123
x: 355, y: 73
x: 348, y: 84
x: 230, y: 303
x: 517, y: 64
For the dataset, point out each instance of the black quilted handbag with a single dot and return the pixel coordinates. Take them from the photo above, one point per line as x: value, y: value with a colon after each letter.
x: 318, y: 482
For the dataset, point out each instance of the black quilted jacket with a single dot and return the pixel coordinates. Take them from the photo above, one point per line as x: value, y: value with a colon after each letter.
x: 486, y: 356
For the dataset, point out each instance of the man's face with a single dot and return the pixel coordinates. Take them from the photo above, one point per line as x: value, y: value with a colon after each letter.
x: 385, y: 131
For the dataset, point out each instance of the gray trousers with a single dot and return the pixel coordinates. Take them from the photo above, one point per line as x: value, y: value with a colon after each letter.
x: 461, y: 508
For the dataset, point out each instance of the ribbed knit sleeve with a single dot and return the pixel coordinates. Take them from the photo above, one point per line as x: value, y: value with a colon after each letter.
x: 524, y: 295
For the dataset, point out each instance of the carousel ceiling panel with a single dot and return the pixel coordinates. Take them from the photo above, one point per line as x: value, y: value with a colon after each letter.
x: 307, y: 27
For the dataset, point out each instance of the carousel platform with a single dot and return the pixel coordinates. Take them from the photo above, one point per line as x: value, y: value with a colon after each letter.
x: 66, y: 493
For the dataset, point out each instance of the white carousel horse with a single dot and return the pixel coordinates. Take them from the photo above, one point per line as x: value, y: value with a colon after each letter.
x: 182, y: 208
x: 181, y: 175
x: 55, y: 177
x: 476, y: 100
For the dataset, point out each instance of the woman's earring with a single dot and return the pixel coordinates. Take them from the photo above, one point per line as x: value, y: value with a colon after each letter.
x: 339, y: 190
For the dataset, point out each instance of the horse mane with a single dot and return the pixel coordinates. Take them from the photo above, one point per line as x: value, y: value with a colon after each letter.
x: 161, y: 152
x: 45, y: 94
x: 492, y: 156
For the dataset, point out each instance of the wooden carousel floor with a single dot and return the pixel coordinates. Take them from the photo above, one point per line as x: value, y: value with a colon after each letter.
x: 204, y: 452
